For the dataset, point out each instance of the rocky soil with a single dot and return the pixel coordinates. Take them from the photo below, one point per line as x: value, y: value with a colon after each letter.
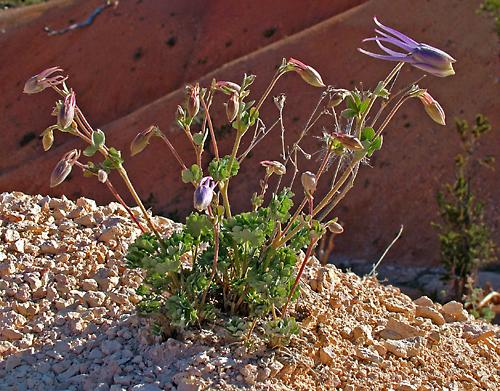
x: 67, y: 321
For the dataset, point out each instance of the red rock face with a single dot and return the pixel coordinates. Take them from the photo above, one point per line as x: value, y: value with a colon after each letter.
x: 129, y: 69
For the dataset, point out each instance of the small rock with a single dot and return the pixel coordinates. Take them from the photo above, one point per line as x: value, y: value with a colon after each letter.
x: 453, y: 311
x: 94, y: 299
x: 249, y: 373
x: 395, y: 329
x: 11, y: 334
x: 430, y: 313
x: 89, y: 284
x: 368, y: 355
x: 7, y: 268
x: 405, y: 348
x: 327, y: 355
x: 110, y: 346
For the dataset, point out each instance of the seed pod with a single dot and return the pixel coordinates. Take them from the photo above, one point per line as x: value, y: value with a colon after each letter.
x: 350, y: 142
x: 47, y: 138
x: 141, y: 141
x: 232, y: 107
x: 309, y: 183
x: 227, y: 87
x: 335, y: 227
x: 273, y: 167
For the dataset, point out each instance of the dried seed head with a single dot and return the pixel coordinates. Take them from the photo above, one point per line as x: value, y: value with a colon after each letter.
x: 350, y: 142
x: 63, y: 167
x: 307, y: 73
x: 273, y: 167
x: 141, y: 141
x: 309, y: 182
x: 227, y: 87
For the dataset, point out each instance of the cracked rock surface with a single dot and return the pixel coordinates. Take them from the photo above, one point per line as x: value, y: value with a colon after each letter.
x: 67, y: 321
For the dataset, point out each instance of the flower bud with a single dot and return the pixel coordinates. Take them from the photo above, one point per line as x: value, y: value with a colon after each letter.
x: 204, y: 193
x: 102, y: 176
x: 273, y: 167
x: 334, y: 227
x: 348, y: 141
x: 47, y: 138
x: 43, y: 80
x: 433, y: 108
x: 66, y: 112
x: 227, y: 87
x: 309, y: 183
x: 232, y: 107
x: 63, y: 167
x: 141, y: 141
x: 193, y: 104
x: 308, y: 74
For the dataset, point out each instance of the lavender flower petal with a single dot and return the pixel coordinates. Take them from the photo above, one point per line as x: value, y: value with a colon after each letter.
x: 394, y: 41
x: 396, y: 33
x: 382, y: 57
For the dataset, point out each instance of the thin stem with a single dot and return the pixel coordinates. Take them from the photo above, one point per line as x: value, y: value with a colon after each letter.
x: 122, y: 202
x: 172, y: 149
x: 210, y: 126
x: 126, y: 179
x: 373, y: 97
x: 299, y: 274
x: 275, y: 78
x: 215, y: 262
x: 401, y: 101
x: 372, y: 273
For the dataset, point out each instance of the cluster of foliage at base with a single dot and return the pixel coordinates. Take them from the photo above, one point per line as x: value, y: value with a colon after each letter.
x: 247, y: 267
x: 465, y: 238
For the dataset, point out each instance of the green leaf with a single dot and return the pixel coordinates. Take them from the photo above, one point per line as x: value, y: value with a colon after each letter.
x: 223, y: 168
x: 349, y: 113
x: 98, y: 138
x: 254, y: 114
x: 198, y: 224
x: 364, y: 105
x: 368, y: 133
x: 90, y: 151
x: 192, y: 174
x: 199, y: 138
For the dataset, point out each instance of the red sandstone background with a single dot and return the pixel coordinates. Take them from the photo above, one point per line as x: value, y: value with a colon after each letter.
x: 129, y: 69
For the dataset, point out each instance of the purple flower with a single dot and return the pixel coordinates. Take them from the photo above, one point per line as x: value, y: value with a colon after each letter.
x: 204, y: 193
x: 63, y: 167
x: 420, y: 55
x: 66, y: 112
x: 43, y: 80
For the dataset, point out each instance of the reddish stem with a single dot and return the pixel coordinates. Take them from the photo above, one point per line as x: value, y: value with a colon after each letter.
x: 122, y: 202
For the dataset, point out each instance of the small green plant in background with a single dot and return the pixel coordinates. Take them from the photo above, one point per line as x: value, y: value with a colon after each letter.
x: 464, y: 236
x: 492, y: 8
x: 477, y: 302
x: 244, y: 269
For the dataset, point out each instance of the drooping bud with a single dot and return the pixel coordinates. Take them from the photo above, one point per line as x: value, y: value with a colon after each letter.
x: 227, y: 87
x: 232, y: 107
x: 334, y: 227
x: 309, y: 182
x: 63, y: 167
x: 204, y: 193
x: 66, y: 112
x: 48, y: 138
x: 307, y: 73
x: 348, y: 141
x: 337, y: 98
x: 433, y: 108
x: 273, y: 167
x: 193, y: 104
x: 43, y: 80
x: 141, y: 141
x: 102, y: 176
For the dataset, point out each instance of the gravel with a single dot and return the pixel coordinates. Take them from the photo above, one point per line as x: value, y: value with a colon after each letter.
x: 67, y: 321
